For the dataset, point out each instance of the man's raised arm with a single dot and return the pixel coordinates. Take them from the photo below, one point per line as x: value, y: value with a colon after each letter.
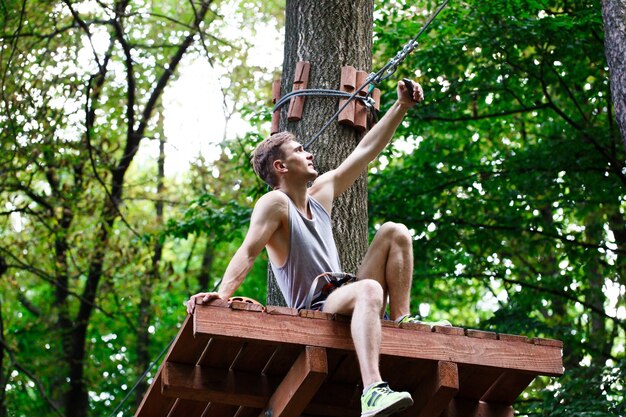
x: 339, y: 179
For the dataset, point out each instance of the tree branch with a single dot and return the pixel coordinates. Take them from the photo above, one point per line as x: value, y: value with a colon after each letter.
x: 44, y: 276
x: 30, y: 375
x: 486, y: 116
x: 535, y: 287
x: 85, y: 27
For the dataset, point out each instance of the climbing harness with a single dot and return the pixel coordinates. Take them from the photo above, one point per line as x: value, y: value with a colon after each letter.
x: 334, y: 280
x: 372, y: 80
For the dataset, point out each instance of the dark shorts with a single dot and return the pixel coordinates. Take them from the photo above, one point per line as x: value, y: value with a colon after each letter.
x: 334, y: 281
x: 318, y: 302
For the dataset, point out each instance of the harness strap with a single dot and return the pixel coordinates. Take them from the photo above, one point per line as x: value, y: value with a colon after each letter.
x: 334, y: 281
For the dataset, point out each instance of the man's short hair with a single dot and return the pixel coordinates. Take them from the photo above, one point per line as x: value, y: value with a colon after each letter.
x: 268, y: 151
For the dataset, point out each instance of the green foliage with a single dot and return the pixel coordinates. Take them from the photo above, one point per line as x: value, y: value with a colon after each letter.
x: 224, y: 220
x: 83, y: 227
x: 513, y: 170
x: 512, y: 167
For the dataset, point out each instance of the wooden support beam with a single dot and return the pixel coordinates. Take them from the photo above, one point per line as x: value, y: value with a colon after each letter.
x: 347, y: 84
x: 299, y: 385
x: 468, y: 408
x: 252, y: 390
x: 360, y: 111
x: 221, y: 386
x: 276, y: 114
x: 219, y: 410
x: 245, y: 412
x: 185, y: 408
x: 153, y: 404
x: 300, y: 82
x: 528, y: 357
x: 434, y: 394
x: 508, y: 387
x: 475, y: 381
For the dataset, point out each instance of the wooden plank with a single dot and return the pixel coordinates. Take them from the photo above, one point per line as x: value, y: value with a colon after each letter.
x: 243, y: 305
x: 542, y: 360
x: 153, y: 403
x: 300, y: 82
x: 436, y: 391
x: 188, y: 408
x: 360, y: 111
x: 475, y: 381
x: 339, y: 400
x: 346, y: 370
x: 513, y: 338
x: 343, y: 386
x: 547, y: 342
x: 220, y: 410
x: 220, y: 353
x: 416, y: 327
x: 347, y: 84
x: 282, y: 360
x: 221, y: 386
x: 449, y: 330
x: 188, y: 346
x: 336, y: 400
x: 280, y: 310
x: 480, y: 334
x: 468, y: 408
x: 239, y: 389
x: 315, y: 314
x: 300, y: 384
x: 247, y: 412
x: 404, y: 374
x: 508, y: 387
x: 214, y: 302
x: 253, y: 357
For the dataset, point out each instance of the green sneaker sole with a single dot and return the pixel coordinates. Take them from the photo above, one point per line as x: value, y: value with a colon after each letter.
x: 400, y: 405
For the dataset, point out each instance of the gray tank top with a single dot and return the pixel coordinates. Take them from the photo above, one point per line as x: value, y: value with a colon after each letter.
x: 312, y: 251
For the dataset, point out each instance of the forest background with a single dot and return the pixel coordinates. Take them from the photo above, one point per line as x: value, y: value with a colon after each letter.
x: 510, y: 176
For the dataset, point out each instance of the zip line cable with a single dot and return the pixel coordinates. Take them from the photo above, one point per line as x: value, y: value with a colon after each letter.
x: 130, y: 392
x: 374, y: 78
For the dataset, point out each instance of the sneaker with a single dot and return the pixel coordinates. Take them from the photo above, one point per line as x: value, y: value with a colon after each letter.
x: 413, y: 319
x: 382, y: 401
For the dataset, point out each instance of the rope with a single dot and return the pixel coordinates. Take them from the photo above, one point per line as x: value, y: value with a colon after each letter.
x: 376, y: 78
x: 142, y: 377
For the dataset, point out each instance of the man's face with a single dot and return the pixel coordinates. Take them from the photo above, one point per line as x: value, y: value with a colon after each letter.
x: 298, y: 161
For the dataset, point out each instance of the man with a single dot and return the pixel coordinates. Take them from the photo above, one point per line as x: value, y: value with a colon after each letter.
x: 293, y: 223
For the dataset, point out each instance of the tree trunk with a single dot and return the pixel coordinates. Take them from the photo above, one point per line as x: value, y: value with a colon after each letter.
x: 3, y: 379
x: 329, y: 35
x: 614, y: 17
x: 146, y: 311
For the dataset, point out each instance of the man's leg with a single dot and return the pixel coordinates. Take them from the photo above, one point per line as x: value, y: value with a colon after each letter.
x: 363, y: 301
x: 389, y: 261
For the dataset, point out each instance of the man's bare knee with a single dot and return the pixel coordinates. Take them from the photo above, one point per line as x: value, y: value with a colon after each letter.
x: 396, y: 232
x: 371, y: 292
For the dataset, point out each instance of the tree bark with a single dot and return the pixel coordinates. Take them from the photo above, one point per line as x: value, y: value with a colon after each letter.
x: 329, y: 35
x: 614, y: 17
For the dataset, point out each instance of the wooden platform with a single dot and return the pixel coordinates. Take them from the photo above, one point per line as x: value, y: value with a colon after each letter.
x: 245, y: 360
